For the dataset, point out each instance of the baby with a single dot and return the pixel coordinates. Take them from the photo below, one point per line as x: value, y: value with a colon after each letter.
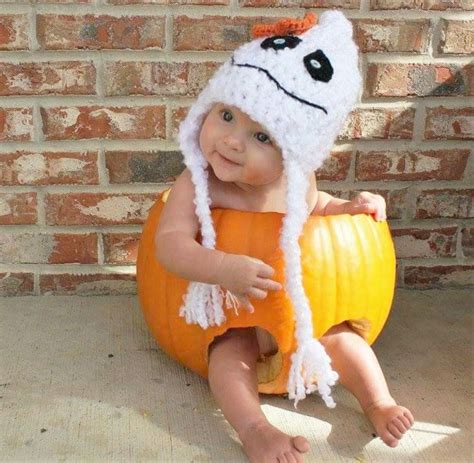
x: 252, y: 141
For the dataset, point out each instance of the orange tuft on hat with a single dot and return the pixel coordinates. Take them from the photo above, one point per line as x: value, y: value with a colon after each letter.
x: 286, y: 26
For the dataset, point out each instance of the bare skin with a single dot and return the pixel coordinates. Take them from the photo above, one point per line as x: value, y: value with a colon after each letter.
x: 233, y: 382
x: 246, y: 173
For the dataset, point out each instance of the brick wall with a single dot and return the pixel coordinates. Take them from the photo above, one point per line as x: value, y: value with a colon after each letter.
x: 92, y: 91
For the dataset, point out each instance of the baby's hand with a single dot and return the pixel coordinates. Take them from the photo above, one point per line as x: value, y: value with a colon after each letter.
x: 246, y: 277
x: 367, y: 203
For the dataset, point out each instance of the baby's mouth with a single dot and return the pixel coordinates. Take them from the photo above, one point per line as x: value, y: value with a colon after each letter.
x: 227, y: 160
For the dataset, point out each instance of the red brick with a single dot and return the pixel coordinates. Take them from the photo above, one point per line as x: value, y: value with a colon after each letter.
x: 64, y: 77
x: 449, y: 123
x: 467, y: 242
x: 87, y: 284
x: 16, y: 284
x: 336, y: 167
x: 14, y: 32
x: 385, y: 123
x: 157, y: 78
x: 18, y: 208
x: 16, y: 124
x: 143, y: 167
x: 384, y: 35
x: 98, y: 208
x: 397, y: 79
x: 439, y: 276
x: 177, y: 116
x: 168, y: 2
x: 469, y: 70
x: 49, y: 168
x: 445, y: 203
x: 63, y: 1
x: 411, y: 165
x: 302, y: 3
x: 48, y: 248
x: 421, y: 4
x: 457, y: 37
x: 65, y: 32
x: 428, y: 243
x: 118, y: 123
x: 121, y: 248
x: 213, y: 32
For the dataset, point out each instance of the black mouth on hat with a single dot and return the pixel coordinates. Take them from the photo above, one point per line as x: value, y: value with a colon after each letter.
x: 301, y: 100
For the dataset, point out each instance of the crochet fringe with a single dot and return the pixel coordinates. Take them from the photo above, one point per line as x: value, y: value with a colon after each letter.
x: 310, y: 364
x: 310, y: 361
x: 202, y: 304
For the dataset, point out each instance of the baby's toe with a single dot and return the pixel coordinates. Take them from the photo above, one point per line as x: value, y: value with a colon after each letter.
x: 389, y: 438
x: 407, y: 414
x: 394, y: 431
x: 301, y: 444
x: 405, y: 422
x: 400, y: 425
x: 290, y: 457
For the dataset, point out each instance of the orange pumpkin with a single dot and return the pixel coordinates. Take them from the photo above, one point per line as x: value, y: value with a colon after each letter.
x: 348, y: 267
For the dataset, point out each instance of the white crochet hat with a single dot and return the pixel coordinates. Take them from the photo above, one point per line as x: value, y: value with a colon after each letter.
x: 299, y: 82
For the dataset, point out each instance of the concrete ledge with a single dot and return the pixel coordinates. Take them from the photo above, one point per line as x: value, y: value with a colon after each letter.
x: 82, y: 380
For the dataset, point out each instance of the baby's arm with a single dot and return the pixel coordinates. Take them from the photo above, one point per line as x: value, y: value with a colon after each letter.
x: 178, y: 251
x: 175, y: 241
x: 364, y: 203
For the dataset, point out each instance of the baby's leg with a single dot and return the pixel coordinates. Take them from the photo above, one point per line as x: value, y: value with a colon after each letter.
x: 233, y: 381
x: 360, y: 372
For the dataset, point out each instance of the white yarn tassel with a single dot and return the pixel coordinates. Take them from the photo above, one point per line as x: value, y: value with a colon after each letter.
x: 310, y: 363
x: 203, y: 305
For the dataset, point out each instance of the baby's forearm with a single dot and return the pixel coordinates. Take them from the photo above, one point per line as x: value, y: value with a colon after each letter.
x: 186, y: 258
x: 329, y: 205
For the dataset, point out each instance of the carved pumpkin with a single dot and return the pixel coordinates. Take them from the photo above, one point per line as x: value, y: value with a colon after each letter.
x: 348, y: 274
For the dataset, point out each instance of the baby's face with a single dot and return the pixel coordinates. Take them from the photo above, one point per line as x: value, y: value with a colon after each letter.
x: 239, y: 149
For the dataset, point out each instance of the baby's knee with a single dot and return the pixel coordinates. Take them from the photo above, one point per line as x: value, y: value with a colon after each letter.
x: 340, y: 334
x: 241, y: 339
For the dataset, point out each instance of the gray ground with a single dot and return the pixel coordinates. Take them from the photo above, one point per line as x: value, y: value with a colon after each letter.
x: 82, y: 380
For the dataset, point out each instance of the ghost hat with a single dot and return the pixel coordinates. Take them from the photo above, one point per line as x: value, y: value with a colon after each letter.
x: 299, y: 79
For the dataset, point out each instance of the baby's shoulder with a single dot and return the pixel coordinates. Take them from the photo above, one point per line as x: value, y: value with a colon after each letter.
x: 223, y: 195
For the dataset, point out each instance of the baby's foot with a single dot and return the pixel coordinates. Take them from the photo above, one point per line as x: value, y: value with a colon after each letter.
x: 263, y: 443
x: 390, y: 420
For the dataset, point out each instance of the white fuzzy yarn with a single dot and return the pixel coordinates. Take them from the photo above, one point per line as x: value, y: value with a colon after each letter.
x: 310, y: 361
x: 305, y: 135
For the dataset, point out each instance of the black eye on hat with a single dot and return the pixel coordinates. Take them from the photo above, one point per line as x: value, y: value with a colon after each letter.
x: 279, y: 42
x: 318, y: 66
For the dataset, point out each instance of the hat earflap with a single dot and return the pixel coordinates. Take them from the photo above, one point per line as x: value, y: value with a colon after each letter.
x: 203, y: 301
x: 310, y: 361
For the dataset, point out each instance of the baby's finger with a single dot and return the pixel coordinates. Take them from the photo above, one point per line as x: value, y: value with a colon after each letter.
x: 244, y: 300
x: 257, y: 293
x: 265, y: 271
x: 270, y: 285
x: 365, y: 208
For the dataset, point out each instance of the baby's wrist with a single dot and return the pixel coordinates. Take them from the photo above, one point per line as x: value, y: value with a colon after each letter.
x: 220, y: 267
x: 336, y: 206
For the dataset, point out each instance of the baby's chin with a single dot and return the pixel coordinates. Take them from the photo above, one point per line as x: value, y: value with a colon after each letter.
x: 224, y: 175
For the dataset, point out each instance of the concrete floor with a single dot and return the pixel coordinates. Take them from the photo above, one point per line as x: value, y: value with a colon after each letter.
x: 82, y: 380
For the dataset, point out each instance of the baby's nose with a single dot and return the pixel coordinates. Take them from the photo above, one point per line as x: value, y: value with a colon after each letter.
x: 234, y: 141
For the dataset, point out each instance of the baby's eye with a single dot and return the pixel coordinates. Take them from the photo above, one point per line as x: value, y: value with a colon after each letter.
x: 264, y: 138
x: 226, y: 115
